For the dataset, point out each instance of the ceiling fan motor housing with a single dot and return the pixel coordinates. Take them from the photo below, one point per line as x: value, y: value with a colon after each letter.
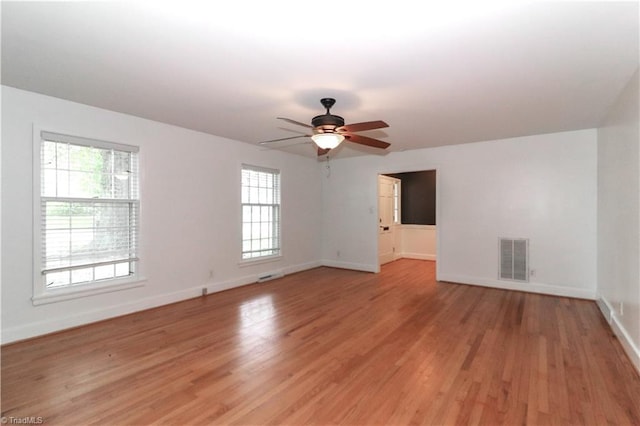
x: 328, y: 122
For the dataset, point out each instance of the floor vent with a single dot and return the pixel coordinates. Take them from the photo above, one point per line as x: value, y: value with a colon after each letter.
x: 270, y: 277
x: 514, y: 259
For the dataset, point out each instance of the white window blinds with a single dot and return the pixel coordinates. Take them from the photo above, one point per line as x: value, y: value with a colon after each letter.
x: 89, y: 204
x: 260, y: 212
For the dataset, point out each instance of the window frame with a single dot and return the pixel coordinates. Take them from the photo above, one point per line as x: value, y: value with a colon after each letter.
x: 270, y: 257
x: 41, y: 293
x: 397, y: 201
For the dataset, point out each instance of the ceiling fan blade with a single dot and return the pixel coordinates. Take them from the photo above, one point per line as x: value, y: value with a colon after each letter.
x: 294, y: 122
x: 284, y: 139
x: 322, y: 151
x: 364, y: 140
x: 360, y: 127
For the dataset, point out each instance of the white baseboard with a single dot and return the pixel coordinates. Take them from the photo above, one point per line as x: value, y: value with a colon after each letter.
x: 27, y: 331
x: 531, y: 287
x: 620, y: 331
x: 301, y: 267
x: 605, y: 308
x: 216, y: 287
x: 40, y: 328
x: 348, y: 265
x: 418, y: 256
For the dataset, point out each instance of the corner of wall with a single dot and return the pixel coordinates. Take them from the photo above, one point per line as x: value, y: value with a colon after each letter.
x: 349, y: 265
x: 632, y: 351
x: 530, y: 287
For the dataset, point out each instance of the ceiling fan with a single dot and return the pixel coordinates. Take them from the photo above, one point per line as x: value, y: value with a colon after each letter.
x: 329, y: 130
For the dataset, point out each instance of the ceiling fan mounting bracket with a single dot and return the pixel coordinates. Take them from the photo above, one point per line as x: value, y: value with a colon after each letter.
x: 327, y: 103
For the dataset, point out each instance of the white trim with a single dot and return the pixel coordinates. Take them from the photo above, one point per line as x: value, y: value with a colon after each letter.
x: 40, y: 328
x: 301, y: 267
x: 37, y: 284
x: 90, y: 200
x: 632, y: 351
x: 40, y: 294
x: 418, y: 256
x: 353, y: 266
x: 530, y: 287
x: 215, y: 287
x: 627, y: 343
x: 23, y: 332
x: 78, y: 140
x: 414, y: 226
x: 268, y: 258
x: 261, y: 169
x: 85, y: 290
x: 438, y: 225
x: 605, y: 308
x: 259, y: 260
x: 397, y: 197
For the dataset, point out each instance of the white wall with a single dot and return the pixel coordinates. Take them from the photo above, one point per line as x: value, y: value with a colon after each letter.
x: 540, y: 187
x: 190, y: 210
x: 619, y: 219
x: 417, y: 241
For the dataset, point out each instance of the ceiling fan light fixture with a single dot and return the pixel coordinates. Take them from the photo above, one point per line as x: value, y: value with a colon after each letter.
x: 327, y: 140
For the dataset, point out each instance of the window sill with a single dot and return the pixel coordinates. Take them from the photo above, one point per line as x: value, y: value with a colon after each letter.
x: 76, y: 292
x: 259, y: 260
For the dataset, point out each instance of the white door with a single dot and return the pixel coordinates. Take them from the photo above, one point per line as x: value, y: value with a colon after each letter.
x: 386, y: 228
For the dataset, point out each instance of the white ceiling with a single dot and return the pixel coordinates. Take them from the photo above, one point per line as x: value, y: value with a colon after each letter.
x: 438, y: 72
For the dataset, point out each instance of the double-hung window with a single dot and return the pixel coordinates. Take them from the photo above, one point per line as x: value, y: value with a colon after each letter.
x: 260, y: 212
x: 88, y: 213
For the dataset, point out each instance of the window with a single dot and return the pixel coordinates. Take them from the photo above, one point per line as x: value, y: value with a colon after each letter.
x: 396, y: 202
x: 89, y: 209
x: 260, y: 212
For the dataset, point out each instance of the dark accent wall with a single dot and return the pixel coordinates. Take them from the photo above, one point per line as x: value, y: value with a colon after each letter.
x: 418, y: 197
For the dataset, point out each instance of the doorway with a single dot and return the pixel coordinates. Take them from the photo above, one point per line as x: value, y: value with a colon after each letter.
x: 408, y: 217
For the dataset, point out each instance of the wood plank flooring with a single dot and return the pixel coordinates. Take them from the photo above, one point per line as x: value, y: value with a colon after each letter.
x: 331, y: 346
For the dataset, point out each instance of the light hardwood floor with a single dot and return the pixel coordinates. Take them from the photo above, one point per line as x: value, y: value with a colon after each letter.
x: 331, y: 346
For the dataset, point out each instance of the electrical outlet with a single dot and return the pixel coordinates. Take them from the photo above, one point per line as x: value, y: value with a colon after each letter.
x: 210, y: 273
x: 338, y: 253
x: 532, y: 272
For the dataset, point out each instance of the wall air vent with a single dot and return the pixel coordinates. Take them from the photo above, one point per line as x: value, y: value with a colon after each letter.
x: 514, y: 259
x: 270, y: 276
